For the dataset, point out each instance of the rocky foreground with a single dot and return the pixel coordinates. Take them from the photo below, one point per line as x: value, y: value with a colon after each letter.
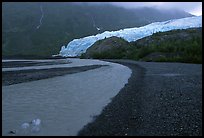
x: 160, y: 99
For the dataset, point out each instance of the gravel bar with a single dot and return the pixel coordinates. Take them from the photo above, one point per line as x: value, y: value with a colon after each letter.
x: 160, y: 99
x: 13, y: 64
x: 20, y: 76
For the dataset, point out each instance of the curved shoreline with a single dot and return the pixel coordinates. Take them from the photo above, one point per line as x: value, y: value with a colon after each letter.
x: 66, y: 102
x: 116, y: 117
x: 153, y: 105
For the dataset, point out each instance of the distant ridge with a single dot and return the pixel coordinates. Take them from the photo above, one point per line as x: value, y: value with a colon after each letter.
x: 62, y: 22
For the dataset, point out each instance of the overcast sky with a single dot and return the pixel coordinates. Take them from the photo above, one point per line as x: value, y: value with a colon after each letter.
x: 194, y: 8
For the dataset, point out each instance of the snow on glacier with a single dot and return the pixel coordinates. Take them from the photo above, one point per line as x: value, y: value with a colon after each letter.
x: 79, y: 46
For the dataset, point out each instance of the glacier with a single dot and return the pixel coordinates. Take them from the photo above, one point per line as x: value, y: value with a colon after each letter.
x: 78, y: 46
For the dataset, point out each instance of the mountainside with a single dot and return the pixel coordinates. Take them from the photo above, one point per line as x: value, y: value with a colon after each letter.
x: 40, y: 29
x: 79, y: 46
x: 171, y: 46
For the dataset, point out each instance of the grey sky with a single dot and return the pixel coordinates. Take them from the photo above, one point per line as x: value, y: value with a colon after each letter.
x: 194, y: 8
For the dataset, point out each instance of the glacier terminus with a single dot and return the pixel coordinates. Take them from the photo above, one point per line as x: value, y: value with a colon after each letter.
x: 78, y: 46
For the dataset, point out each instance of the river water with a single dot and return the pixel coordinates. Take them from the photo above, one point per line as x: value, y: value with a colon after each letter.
x: 64, y: 104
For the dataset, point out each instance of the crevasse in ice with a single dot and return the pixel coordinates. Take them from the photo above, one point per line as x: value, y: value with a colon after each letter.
x: 79, y: 46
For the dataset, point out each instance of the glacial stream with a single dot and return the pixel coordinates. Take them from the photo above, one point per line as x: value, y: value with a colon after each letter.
x: 64, y: 104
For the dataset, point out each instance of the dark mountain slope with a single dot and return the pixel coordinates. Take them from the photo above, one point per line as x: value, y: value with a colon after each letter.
x: 106, y: 46
x: 63, y: 22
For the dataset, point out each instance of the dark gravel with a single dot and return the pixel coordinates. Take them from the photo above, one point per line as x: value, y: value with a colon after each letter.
x: 14, y: 77
x: 13, y: 64
x: 160, y: 99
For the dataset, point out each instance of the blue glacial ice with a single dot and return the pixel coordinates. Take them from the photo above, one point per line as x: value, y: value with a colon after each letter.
x: 79, y: 46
